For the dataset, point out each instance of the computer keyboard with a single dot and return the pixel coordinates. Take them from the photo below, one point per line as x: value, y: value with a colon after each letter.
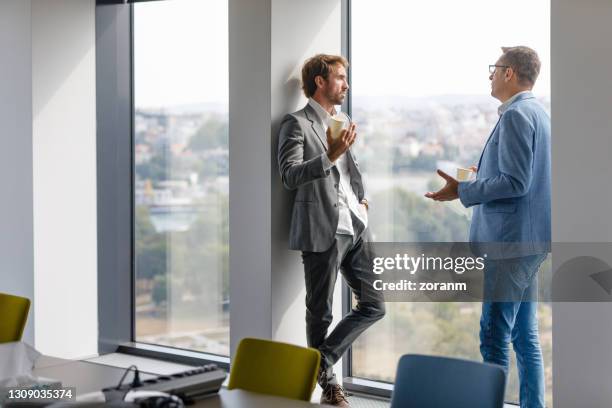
x: 193, y: 384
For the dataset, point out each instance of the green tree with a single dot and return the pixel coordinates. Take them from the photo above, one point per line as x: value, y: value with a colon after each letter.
x: 212, y: 134
x: 149, y: 246
x: 155, y: 169
x: 424, y: 162
x: 415, y: 219
x: 203, y: 249
x: 160, y: 290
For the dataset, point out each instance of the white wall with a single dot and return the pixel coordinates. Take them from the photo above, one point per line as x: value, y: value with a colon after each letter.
x: 64, y: 152
x: 582, y: 198
x: 292, y: 44
x: 269, y: 41
x: 16, y: 241
x: 249, y: 199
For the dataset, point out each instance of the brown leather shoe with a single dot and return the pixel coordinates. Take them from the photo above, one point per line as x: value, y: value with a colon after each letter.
x: 333, y: 394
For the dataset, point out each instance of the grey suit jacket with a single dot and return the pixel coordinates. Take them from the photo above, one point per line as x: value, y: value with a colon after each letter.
x: 314, y: 220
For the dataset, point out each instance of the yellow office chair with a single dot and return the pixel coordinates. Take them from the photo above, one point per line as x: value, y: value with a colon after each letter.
x: 274, y: 368
x: 13, y: 316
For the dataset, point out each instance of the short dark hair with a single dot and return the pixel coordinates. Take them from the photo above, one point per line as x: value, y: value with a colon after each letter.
x: 524, y: 61
x: 319, y: 65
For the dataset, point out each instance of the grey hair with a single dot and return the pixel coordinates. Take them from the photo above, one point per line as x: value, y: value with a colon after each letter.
x: 524, y: 61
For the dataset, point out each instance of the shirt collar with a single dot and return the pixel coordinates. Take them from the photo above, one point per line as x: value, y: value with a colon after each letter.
x: 504, y: 106
x: 322, y: 114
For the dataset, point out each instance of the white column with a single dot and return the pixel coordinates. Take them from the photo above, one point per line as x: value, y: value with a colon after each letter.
x: 299, y: 31
x: 582, y: 199
x: 64, y: 151
x: 250, y: 156
x: 269, y: 41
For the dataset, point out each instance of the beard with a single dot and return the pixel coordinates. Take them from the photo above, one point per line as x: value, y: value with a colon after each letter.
x: 336, y: 98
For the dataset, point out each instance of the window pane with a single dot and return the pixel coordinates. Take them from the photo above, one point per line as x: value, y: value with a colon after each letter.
x: 421, y: 99
x: 181, y: 181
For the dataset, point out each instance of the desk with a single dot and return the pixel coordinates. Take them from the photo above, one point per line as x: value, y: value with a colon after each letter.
x: 85, y: 376
x: 240, y: 398
x: 89, y: 377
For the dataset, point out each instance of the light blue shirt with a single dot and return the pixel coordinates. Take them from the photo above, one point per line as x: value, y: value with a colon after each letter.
x: 504, y: 106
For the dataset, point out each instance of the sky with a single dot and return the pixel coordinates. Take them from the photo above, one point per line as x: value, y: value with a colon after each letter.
x: 440, y: 47
x: 180, y: 52
x: 400, y: 47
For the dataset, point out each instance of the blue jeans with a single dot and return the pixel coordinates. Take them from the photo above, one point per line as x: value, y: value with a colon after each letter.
x: 514, y: 321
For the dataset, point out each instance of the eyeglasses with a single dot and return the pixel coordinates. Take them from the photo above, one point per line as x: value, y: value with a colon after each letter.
x: 492, y: 68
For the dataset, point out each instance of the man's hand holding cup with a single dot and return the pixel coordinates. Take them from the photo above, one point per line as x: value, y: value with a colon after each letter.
x: 340, y: 144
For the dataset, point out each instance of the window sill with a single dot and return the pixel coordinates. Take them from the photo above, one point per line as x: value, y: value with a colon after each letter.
x: 175, y: 355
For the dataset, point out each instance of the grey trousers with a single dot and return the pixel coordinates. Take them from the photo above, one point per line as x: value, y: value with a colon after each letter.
x: 321, y: 271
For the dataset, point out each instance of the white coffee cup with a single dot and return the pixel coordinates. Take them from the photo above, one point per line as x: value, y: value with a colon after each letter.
x: 464, y: 174
x: 337, y: 123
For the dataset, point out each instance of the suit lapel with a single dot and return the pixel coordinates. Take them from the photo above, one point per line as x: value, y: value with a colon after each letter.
x: 488, y: 140
x: 527, y: 95
x: 316, y: 127
x: 353, y: 161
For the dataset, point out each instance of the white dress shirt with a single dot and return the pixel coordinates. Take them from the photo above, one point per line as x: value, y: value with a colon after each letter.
x: 347, y: 200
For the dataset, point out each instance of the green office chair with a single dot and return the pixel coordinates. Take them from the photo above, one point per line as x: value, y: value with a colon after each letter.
x: 274, y: 368
x: 13, y: 316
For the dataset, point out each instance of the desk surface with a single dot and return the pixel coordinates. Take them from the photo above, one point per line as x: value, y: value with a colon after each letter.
x: 240, y: 398
x: 90, y: 377
x: 86, y: 377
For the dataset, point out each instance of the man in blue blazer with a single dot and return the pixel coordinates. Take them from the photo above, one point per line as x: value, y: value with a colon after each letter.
x: 511, y: 219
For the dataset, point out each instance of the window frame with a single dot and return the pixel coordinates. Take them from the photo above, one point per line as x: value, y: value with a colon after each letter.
x: 354, y: 384
x: 115, y: 113
x: 115, y: 179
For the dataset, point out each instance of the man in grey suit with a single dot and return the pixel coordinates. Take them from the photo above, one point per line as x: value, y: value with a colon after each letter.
x: 329, y: 218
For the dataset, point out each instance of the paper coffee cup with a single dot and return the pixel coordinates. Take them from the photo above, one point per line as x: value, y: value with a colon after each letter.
x: 464, y: 174
x: 336, y: 124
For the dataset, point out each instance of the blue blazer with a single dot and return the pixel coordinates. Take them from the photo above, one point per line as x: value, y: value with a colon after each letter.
x: 512, y: 189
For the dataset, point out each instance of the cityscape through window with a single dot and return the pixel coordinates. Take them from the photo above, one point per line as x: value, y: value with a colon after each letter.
x: 181, y: 174
x: 421, y: 100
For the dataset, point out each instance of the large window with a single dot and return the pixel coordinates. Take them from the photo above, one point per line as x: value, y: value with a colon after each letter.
x: 181, y: 168
x: 421, y: 99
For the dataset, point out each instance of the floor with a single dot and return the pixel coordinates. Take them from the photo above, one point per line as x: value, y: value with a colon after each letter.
x: 361, y: 402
